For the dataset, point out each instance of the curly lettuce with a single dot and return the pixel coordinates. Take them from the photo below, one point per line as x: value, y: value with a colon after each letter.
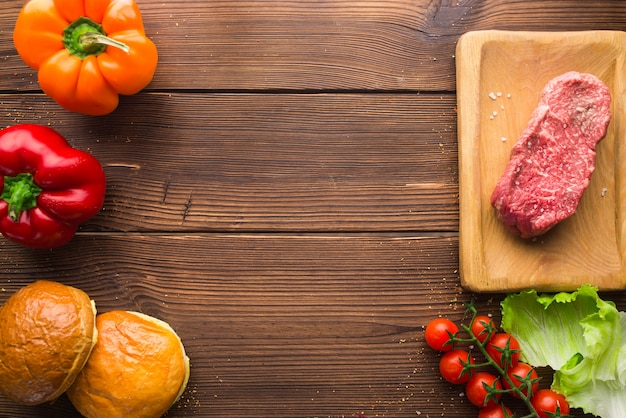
x: 581, y: 337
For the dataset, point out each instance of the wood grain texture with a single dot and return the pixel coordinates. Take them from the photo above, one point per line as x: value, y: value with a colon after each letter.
x: 285, y: 194
x: 272, y: 325
x: 322, y: 44
x: 253, y: 162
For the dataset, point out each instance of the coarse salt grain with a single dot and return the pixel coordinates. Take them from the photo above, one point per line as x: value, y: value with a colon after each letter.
x: 492, y: 96
x: 503, y: 139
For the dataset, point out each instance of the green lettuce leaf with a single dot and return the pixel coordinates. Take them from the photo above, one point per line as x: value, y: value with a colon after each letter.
x: 602, y: 397
x: 581, y: 337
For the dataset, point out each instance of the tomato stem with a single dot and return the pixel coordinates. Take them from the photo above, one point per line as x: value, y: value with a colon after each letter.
x: 490, y: 361
x: 517, y: 381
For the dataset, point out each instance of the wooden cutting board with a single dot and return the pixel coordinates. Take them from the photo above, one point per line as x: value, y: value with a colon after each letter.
x: 500, y: 76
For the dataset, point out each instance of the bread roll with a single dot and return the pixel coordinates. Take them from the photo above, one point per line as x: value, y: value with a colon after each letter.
x: 47, y: 331
x: 138, y: 368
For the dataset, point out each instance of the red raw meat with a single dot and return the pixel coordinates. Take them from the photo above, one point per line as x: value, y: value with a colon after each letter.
x: 552, y: 161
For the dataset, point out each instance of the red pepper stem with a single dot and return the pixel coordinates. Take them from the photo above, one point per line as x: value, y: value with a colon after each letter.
x: 20, y: 192
x: 91, y: 38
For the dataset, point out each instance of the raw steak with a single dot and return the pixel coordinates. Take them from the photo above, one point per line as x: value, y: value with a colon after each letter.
x: 552, y: 161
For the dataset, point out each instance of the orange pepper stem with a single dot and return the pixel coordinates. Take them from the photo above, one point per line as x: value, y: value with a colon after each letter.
x: 84, y: 38
x: 93, y: 38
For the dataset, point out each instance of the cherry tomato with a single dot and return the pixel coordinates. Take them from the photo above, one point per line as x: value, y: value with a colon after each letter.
x: 477, y: 392
x: 522, y: 374
x: 453, y: 366
x: 438, y: 333
x: 495, y: 411
x: 504, y: 349
x: 482, y: 327
x: 546, y: 402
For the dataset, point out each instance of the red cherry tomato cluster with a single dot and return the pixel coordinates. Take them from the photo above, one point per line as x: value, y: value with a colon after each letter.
x: 501, y: 373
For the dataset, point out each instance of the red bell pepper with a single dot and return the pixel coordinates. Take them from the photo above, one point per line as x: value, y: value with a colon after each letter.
x: 48, y: 187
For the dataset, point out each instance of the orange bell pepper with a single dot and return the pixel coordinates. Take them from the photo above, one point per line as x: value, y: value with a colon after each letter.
x: 86, y: 52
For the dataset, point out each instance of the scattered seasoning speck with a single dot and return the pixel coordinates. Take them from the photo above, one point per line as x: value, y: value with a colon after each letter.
x: 492, y: 96
x: 499, y: 94
x: 508, y: 96
x: 503, y: 139
x: 604, y: 190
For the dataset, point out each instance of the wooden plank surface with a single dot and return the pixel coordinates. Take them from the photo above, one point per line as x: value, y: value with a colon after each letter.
x: 285, y: 195
x: 293, y: 162
x: 322, y: 44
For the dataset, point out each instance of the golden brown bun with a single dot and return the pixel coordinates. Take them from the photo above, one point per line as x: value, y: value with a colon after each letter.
x: 47, y: 331
x: 138, y: 368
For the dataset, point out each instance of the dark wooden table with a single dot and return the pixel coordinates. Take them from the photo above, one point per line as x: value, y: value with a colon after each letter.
x: 285, y: 195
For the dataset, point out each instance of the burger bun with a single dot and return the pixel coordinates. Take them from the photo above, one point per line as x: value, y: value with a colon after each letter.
x: 47, y: 331
x: 138, y: 368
